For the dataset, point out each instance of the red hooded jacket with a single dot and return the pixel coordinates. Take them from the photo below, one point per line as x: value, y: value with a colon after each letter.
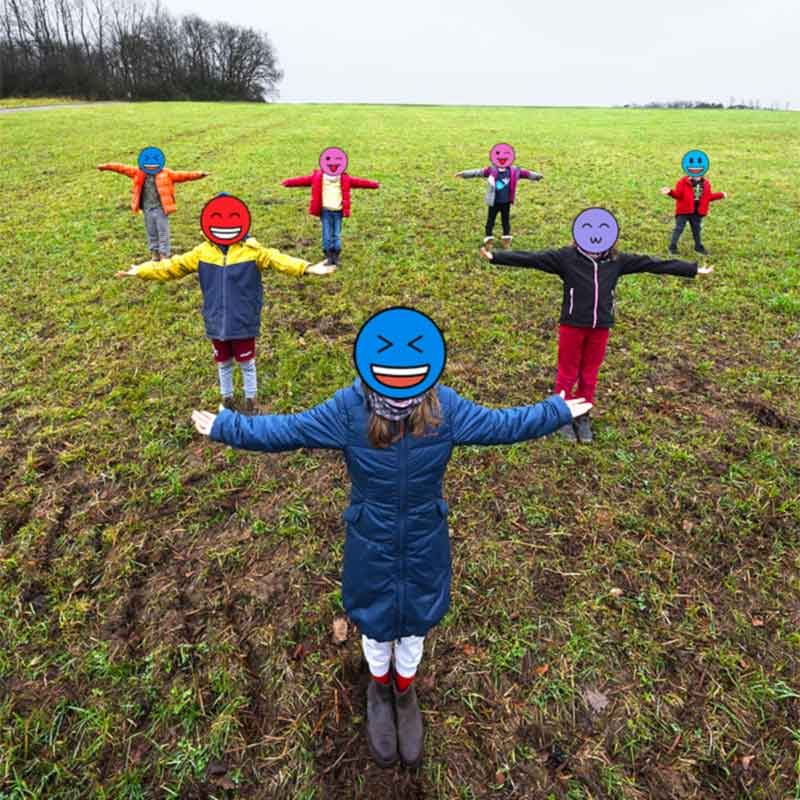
x: 684, y: 197
x: 314, y: 180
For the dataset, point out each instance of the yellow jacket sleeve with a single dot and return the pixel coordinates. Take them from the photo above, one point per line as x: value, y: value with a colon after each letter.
x: 272, y: 257
x: 170, y: 269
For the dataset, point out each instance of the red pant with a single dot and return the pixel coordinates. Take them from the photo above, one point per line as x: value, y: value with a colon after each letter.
x: 240, y: 349
x: 580, y: 353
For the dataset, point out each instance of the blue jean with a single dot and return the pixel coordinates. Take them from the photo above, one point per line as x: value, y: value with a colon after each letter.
x: 331, y: 230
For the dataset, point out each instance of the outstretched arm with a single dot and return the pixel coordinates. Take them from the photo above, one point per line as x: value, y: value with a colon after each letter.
x: 302, y: 180
x: 483, y: 172
x: 324, y: 426
x: 475, y: 424
x: 363, y: 183
x: 530, y: 175
x: 543, y: 260
x: 122, y: 169
x: 180, y: 177
x: 168, y: 269
x: 630, y: 264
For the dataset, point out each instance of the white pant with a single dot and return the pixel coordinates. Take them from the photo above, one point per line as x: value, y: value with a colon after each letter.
x: 407, y: 655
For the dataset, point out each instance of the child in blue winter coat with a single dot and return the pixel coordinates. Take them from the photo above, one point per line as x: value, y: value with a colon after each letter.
x: 397, y: 569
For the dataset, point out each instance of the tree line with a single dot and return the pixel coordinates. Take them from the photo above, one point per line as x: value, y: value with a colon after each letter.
x: 124, y: 50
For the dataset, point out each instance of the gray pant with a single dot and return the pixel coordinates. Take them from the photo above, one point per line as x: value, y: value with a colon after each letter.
x: 156, y: 223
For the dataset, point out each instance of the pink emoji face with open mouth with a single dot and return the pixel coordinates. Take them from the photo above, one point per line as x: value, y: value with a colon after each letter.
x: 502, y: 155
x: 333, y: 161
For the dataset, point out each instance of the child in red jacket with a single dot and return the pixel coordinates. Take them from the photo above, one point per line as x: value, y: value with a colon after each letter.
x: 330, y: 197
x: 692, y: 195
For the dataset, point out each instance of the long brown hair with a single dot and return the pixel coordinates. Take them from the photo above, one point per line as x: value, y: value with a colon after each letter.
x: 385, y: 432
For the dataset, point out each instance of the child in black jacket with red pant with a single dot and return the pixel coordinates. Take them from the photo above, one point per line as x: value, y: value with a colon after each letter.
x: 587, y: 309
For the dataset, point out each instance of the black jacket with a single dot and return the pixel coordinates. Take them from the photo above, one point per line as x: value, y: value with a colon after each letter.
x: 589, y: 284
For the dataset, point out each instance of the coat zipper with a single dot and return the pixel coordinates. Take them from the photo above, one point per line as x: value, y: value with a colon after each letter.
x: 222, y: 275
x: 596, y: 294
x: 571, y: 298
x: 403, y: 514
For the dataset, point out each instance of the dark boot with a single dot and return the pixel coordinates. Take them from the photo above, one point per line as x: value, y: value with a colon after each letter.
x: 381, y: 728
x: 673, y: 250
x: 336, y: 254
x: 568, y: 432
x: 155, y: 255
x: 409, y: 726
x: 250, y: 406
x: 698, y: 248
x: 328, y: 256
x: 583, y: 428
x: 227, y: 402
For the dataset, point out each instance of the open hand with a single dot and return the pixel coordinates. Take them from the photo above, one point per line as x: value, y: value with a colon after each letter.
x: 458, y: 175
x: 203, y: 421
x: 128, y: 272
x: 578, y: 407
x: 724, y: 195
x: 664, y: 190
x: 705, y: 270
x: 487, y: 254
x: 321, y: 269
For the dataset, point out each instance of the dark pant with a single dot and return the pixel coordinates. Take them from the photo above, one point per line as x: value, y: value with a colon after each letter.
x: 580, y: 353
x: 505, y: 216
x: 695, y: 220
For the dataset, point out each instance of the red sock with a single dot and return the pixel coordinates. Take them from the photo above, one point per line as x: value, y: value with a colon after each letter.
x: 401, y: 682
x: 384, y: 679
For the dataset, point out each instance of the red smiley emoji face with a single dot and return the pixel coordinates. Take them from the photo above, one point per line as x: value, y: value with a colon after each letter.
x: 225, y: 219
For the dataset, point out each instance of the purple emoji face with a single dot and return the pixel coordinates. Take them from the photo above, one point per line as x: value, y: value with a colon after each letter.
x: 502, y: 155
x: 333, y: 161
x: 595, y: 230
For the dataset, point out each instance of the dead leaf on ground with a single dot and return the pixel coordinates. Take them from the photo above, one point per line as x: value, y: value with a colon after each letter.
x: 597, y: 701
x: 339, y: 630
x: 542, y: 669
x: 746, y: 761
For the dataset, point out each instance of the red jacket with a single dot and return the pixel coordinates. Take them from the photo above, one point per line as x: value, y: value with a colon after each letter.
x: 684, y: 197
x: 314, y: 180
x: 165, y: 183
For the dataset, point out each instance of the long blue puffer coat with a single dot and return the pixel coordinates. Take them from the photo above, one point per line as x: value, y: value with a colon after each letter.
x: 396, y: 573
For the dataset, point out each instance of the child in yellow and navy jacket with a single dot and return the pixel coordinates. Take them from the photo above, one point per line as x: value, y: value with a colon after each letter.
x: 229, y: 266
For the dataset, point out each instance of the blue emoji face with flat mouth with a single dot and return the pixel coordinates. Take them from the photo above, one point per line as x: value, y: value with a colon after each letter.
x: 151, y: 160
x: 400, y: 353
x: 695, y: 163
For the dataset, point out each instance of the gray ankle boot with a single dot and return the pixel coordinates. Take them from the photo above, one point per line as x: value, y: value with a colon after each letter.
x: 381, y: 728
x: 583, y: 427
x: 409, y: 726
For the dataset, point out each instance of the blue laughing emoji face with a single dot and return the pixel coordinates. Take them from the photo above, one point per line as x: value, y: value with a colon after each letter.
x: 151, y: 160
x: 695, y: 163
x: 400, y: 353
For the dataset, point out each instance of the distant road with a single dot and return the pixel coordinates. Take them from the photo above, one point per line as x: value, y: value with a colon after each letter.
x: 60, y: 105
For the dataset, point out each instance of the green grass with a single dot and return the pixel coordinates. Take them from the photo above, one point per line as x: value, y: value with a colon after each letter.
x: 167, y: 603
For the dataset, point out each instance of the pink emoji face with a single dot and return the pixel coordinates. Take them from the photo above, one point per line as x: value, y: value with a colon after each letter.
x: 502, y: 155
x: 333, y: 161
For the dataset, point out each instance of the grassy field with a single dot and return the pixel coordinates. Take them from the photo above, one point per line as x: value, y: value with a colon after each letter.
x: 626, y: 617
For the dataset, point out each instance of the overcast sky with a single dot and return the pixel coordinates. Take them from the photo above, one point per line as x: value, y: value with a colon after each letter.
x: 559, y: 52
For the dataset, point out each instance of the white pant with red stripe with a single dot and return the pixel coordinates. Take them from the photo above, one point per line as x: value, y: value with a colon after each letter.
x: 407, y: 655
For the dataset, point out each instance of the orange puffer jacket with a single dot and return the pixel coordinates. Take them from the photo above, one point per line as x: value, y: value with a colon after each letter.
x: 165, y: 183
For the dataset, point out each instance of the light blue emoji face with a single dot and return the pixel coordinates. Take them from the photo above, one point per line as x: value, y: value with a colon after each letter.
x: 151, y: 160
x: 595, y: 230
x: 695, y: 163
x: 399, y: 352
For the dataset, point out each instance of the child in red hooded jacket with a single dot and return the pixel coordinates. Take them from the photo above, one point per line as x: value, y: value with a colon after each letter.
x: 330, y: 197
x: 692, y: 195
